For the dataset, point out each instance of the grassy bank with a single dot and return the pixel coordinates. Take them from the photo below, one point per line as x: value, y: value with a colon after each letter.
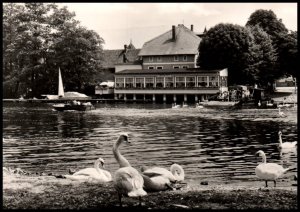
x: 48, y: 192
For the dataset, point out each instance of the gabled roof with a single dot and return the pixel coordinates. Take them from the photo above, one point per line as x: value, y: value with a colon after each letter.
x: 186, y: 42
x: 168, y: 71
x: 113, y: 57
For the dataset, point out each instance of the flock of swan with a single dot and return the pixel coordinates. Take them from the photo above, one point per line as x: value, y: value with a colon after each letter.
x: 127, y: 180
x: 272, y: 171
x: 130, y: 182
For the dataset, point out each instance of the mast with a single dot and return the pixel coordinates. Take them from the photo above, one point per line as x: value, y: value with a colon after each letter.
x: 60, y: 85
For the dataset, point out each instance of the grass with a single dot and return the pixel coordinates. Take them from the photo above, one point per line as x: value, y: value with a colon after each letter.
x: 52, y: 193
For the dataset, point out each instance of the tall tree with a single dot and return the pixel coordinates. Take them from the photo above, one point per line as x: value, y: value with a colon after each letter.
x: 37, y: 39
x: 268, y: 21
x: 284, y: 42
x: 227, y: 46
x: 11, y: 38
x: 264, y: 57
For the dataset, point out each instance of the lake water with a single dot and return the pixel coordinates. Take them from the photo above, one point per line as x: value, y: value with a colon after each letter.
x: 213, y: 145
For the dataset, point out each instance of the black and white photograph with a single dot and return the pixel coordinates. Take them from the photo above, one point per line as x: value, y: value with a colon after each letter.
x: 149, y: 105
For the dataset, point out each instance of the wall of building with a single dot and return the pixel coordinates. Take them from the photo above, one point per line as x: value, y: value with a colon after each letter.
x: 168, y: 61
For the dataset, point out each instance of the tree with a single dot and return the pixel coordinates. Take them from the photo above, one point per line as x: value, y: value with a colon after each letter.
x: 284, y: 43
x: 264, y: 57
x: 267, y: 20
x: 11, y: 38
x: 288, y: 51
x: 227, y: 46
x: 39, y: 38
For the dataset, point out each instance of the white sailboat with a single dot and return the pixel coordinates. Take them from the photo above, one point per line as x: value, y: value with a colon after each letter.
x: 61, y: 92
x: 74, y: 105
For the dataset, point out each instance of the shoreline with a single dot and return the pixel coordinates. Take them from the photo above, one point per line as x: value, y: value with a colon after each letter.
x: 48, y: 192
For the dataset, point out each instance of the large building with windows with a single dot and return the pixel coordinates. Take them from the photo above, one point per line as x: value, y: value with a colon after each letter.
x: 168, y: 71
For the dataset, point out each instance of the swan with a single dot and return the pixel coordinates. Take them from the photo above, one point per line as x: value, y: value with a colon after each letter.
x: 269, y: 104
x: 286, y: 145
x: 280, y: 113
x: 157, y: 183
x: 269, y: 171
x: 176, y: 173
x: 127, y: 180
x: 199, y: 105
x: 175, y: 105
x: 259, y: 104
x: 87, y: 174
x: 160, y: 179
x: 184, y: 105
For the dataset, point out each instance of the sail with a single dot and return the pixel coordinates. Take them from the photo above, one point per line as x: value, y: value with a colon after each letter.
x: 60, y: 85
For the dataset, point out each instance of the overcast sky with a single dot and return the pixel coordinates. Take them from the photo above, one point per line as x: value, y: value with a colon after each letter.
x: 118, y: 23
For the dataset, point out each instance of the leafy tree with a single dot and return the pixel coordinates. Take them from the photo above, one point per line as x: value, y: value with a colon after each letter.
x: 288, y: 51
x: 284, y: 43
x: 39, y: 38
x: 11, y: 38
x: 264, y: 57
x: 227, y: 46
x: 267, y: 20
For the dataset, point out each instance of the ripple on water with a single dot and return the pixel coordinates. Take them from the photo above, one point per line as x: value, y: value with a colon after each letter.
x: 218, y: 146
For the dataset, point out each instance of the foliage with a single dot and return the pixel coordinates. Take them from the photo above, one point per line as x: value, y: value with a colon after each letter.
x: 283, y: 42
x: 227, y: 46
x: 39, y: 38
x: 267, y: 20
x: 263, y: 65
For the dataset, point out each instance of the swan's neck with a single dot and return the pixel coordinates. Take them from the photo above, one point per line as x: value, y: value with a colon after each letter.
x: 280, y: 140
x: 120, y: 158
x: 264, y: 159
x: 175, y: 169
x: 97, y: 163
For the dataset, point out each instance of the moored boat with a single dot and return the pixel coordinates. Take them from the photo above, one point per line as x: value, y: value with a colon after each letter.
x: 218, y: 103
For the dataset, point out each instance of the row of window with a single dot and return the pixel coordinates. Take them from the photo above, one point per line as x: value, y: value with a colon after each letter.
x: 168, y: 82
x: 176, y: 58
x: 161, y: 67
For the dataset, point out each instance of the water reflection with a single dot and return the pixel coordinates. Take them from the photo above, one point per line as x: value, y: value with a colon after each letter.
x: 211, y: 145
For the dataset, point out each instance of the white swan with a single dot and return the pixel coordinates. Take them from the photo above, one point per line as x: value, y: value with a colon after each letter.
x: 175, y: 106
x: 269, y: 104
x: 184, y: 105
x: 90, y: 174
x: 280, y: 113
x: 176, y: 173
x: 127, y: 180
x: 157, y: 183
x: 199, y: 105
x: 269, y: 171
x: 259, y: 104
x: 286, y: 145
x: 160, y: 179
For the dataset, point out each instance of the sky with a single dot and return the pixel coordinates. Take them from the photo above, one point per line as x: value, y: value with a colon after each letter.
x: 121, y: 23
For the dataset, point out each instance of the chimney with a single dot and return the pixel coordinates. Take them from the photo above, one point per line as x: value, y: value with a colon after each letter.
x: 173, y: 32
x: 192, y: 27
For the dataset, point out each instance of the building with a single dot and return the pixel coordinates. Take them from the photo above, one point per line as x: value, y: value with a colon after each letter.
x: 113, y: 61
x: 168, y: 71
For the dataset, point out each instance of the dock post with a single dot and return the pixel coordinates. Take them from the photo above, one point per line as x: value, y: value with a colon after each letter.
x: 174, y: 97
x: 116, y: 96
x: 185, y: 97
x: 125, y: 97
x: 134, y: 97
x: 196, y: 98
x: 164, y: 98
